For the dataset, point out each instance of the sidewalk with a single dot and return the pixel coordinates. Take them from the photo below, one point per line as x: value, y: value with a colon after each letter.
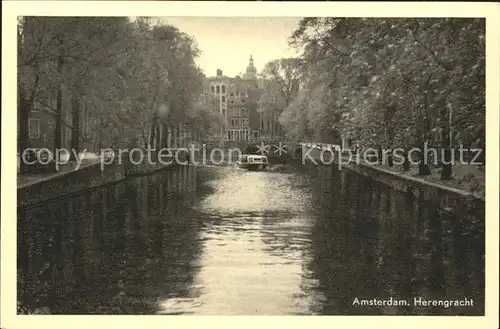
x: 31, y: 179
x: 468, y: 178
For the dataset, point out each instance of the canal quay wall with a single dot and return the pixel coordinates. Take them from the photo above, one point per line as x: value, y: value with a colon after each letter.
x: 69, y: 183
x: 93, y: 176
x: 446, y: 198
x: 86, y: 178
x: 52, y: 186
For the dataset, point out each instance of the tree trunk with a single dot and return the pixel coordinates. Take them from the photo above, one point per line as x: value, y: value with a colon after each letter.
x: 423, y: 167
x: 164, y: 142
x: 158, y: 136
x: 144, y: 138
x: 24, y: 108
x: 152, y: 135
x: 390, y: 161
x: 482, y: 146
x: 406, y: 163
x: 174, y: 136
x: 180, y: 136
x: 380, y: 155
x: 59, y: 111
x: 446, y: 171
x: 75, y: 129
x: 58, y: 119
x: 100, y: 141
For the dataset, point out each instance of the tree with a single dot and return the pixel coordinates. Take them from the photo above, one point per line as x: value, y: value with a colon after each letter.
x: 205, y: 121
x: 57, y: 58
x: 137, y: 77
x: 392, y: 82
x: 281, y: 81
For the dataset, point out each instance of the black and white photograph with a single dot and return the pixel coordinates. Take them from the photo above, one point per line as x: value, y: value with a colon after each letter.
x: 250, y: 165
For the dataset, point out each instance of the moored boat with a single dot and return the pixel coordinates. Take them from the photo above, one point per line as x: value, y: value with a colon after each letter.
x: 252, y: 162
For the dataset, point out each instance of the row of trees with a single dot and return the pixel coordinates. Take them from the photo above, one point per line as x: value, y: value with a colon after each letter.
x: 137, y: 77
x: 385, y: 82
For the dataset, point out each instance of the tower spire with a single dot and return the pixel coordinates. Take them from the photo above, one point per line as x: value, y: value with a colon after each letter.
x: 251, y: 71
x: 251, y: 67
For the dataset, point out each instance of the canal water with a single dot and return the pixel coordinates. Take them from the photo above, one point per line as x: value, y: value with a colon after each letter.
x: 224, y: 241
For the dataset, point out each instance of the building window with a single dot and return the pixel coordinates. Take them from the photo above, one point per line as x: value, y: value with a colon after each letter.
x: 233, y: 123
x: 223, y: 112
x: 223, y: 99
x: 261, y: 124
x: 223, y: 89
x: 232, y: 94
x: 231, y: 101
x: 213, y: 89
x: 34, y: 128
x: 268, y: 125
x: 217, y: 89
x: 242, y: 101
x: 36, y: 106
x: 244, y: 112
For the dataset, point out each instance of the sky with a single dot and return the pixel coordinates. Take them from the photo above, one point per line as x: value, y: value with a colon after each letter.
x: 228, y: 42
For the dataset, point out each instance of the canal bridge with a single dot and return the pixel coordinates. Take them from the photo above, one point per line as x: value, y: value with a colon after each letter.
x: 273, y: 147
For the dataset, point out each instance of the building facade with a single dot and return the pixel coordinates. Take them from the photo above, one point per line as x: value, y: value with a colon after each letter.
x: 42, y: 123
x: 42, y: 113
x: 238, y: 101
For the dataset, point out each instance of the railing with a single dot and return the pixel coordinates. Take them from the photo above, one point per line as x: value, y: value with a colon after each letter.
x: 322, y: 146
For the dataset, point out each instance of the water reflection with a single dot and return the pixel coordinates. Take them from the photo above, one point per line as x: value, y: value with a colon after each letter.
x: 110, y: 251
x: 225, y: 241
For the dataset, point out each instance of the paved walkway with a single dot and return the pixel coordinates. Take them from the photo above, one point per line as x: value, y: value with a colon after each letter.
x: 31, y: 179
x: 468, y: 178
x: 465, y: 178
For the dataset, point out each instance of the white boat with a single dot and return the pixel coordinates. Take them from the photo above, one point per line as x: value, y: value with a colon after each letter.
x: 252, y: 162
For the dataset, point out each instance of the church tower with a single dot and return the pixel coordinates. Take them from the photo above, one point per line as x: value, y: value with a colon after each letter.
x: 251, y: 72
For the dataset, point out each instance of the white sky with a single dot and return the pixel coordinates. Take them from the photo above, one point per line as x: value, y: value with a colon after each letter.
x: 228, y: 42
